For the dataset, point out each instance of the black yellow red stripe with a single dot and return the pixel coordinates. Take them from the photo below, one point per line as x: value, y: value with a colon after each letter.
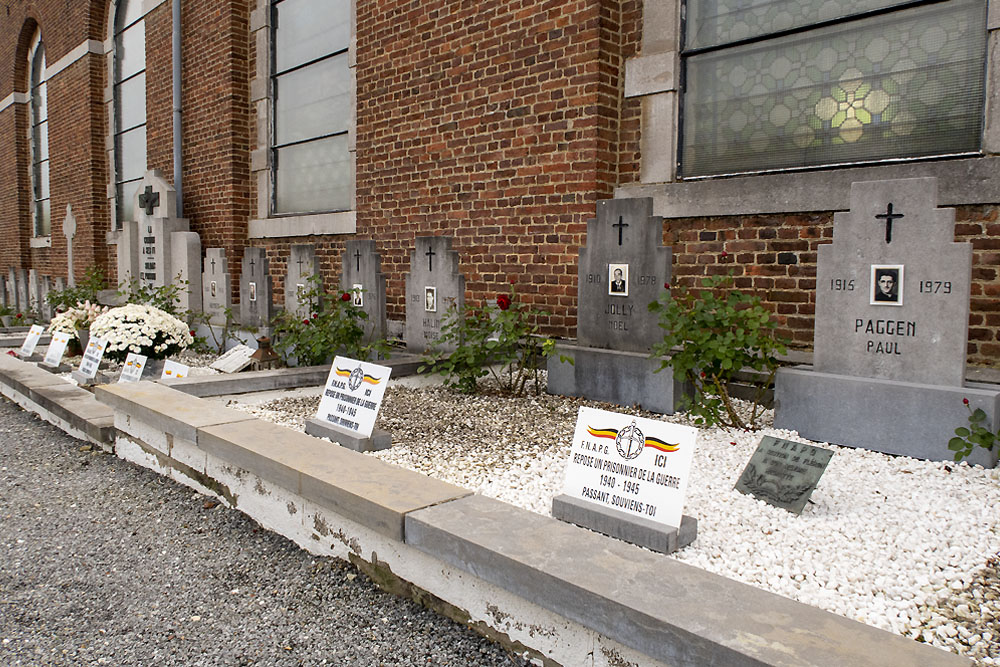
x: 661, y: 445
x: 602, y: 432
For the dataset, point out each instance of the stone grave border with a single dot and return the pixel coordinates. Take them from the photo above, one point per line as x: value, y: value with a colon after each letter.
x: 520, y: 578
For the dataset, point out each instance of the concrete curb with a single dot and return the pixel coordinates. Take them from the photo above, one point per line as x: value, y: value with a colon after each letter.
x: 551, y: 590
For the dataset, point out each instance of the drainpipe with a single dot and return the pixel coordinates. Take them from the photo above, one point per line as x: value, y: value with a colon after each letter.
x: 176, y: 57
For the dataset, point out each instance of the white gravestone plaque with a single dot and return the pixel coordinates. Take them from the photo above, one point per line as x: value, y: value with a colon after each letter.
x: 132, y: 370
x: 31, y: 341
x: 57, y: 348
x: 173, y: 370
x: 92, y: 357
x: 631, y: 464
x: 353, y: 395
x: 234, y: 360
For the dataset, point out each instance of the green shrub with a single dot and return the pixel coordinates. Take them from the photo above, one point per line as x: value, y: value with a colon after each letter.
x: 84, y: 291
x: 976, y: 435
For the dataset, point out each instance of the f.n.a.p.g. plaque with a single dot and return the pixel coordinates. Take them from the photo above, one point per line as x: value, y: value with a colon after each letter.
x: 784, y: 473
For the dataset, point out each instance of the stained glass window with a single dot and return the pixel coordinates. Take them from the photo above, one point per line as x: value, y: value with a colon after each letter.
x: 872, y: 86
x: 311, y: 89
x: 130, y: 105
x: 38, y: 101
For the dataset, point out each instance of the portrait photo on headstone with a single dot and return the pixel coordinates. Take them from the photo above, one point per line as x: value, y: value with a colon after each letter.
x: 357, y: 291
x: 430, y: 299
x: 887, y: 285
x: 618, y: 279
x: 214, y: 289
x: 253, y: 291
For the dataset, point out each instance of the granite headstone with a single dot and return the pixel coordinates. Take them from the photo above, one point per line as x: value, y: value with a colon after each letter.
x: 215, y: 286
x: 362, y: 277
x: 302, y: 266
x: 432, y: 286
x: 256, y: 291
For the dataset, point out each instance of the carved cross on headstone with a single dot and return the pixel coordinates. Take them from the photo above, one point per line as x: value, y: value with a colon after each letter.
x: 149, y: 200
x: 888, y: 216
x: 620, y: 224
x: 430, y: 258
x: 69, y: 231
x: 213, y: 266
x: 300, y: 262
x: 357, y: 256
x: 252, y: 263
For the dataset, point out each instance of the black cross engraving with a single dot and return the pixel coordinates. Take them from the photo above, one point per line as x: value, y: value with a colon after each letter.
x: 149, y: 200
x: 357, y: 256
x: 299, y: 262
x: 251, y: 265
x: 430, y: 258
x: 619, y: 225
x: 213, y: 266
x: 888, y: 216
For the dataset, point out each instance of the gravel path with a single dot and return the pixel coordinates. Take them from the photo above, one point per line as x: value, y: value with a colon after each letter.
x: 103, y: 562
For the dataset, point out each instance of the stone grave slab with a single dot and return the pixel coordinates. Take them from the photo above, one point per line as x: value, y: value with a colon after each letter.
x: 622, y: 269
x: 21, y: 283
x: 234, y: 360
x: 44, y: 307
x: 34, y: 291
x: 892, y: 313
x: 5, y: 299
x: 784, y: 473
x: 433, y: 284
x: 186, y: 258
x: 256, y: 291
x: 302, y: 265
x: 69, y: 231
x: 215, y: 277
x: 361, y: 275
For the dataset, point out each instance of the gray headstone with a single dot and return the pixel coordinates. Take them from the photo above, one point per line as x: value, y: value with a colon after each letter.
x: 302, y: 266
x: 13, y: 296
x: 916, y: 329
x: 186, y: 258
x: 362, y: 266
x: 432, y: 285
x: 626, y: 241
x: 215, y: 285
x: 69, y: 231
x: 4, y: 293
x: 256, y: 291
x: 784, y: 473
x: 34, y: 291
x: 23, y: 302
x: 44, y: 307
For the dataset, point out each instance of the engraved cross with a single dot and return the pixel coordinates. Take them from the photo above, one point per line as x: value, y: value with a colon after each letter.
x: 149, y: 200
x: 888, y: 216
x: 620, y: 225
x: 430, y: 258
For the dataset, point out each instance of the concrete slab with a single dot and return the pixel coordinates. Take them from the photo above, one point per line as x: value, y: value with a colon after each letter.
x: 78, y: 407
x: 623, y: 526
x: 361, y: 488
x: 164, y: 408
x: 668, y: 610
x: 378, y: 441
x: 22, y: 375
x: 903, y: 418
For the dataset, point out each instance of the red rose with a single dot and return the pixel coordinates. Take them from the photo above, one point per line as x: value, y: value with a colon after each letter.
x: 345, y: 297
x: 965, y: 400
x: 503, y: 302
x: 725, y: 254
x: 305, y: 321
x: 666, y: 285
x: 315, y: 315
x: 703, y: 373
x: 18, y: 316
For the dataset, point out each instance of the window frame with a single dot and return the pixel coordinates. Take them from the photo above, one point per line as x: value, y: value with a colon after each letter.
x: 35, y: 138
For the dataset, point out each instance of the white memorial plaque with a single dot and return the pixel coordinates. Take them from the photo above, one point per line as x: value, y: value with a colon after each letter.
x: 132, y: 370
x: 173, y: 370
x: 353, y: 395
x: 631, y: 464
x: 29, y: 344
x: 234, y: 360
x: 92, y: 357
x: 57, y: 348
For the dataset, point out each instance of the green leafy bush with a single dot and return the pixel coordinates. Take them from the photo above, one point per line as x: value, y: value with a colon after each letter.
x: 711, y: 334
x: 976, y: 435
x: 500, y: 339
x: 164, y: 297
x: 335, y: 326
x: 86, y: 290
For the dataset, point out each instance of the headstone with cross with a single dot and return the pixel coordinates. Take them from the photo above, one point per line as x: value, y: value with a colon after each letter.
x: 622, y: 269
x: 23, y: 300
x: 215, y: 291
x: 433, y: 284
x: 891, y: 328
x: 69, y: 231
x: 4, y: 292
x: 256, y: 291
x: 147, y: 248
x: 45, y: 308
x: 302, y: 266
x: 361, y: 276
x: 13, y: 293
x: 34, y: 292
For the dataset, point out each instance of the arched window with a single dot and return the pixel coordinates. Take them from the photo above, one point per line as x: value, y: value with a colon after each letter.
x: 129, y: 99
x: 39, y: 138
x: 312, y: 94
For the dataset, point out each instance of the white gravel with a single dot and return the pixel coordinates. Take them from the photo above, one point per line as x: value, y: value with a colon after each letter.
x: 894, y: 542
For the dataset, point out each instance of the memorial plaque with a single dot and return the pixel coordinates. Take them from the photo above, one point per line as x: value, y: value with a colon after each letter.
x: 784, y: 473
x: 631, y: 464
x: 57, y: 348
x: 892, y: 290
x: 361, y: 275
x: 432, y: 286
x: 92, y: 356
x: 133, y: 367
x: 31, y: 340
x: 234, y: 360
x: 353, y: 395
x: 302, y: 266
x: 215, y: 280
x: 174, y: 370
x: 256, y: 291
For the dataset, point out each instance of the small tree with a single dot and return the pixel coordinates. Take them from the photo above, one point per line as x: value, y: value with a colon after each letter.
x: 711, y: 334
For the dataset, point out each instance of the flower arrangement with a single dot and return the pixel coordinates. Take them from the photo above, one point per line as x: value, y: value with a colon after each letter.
x: 142, y: 329
x: 82, y: 316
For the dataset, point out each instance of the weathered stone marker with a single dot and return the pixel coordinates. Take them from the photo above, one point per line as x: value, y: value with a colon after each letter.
x: 361, y: 276
x: 892, y: 317
x: 69, y: 231
x: 432, y: 286
x: 622, y: 269
x: 215, y: 285
x: 256, y: 291
x: 302, y: 266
